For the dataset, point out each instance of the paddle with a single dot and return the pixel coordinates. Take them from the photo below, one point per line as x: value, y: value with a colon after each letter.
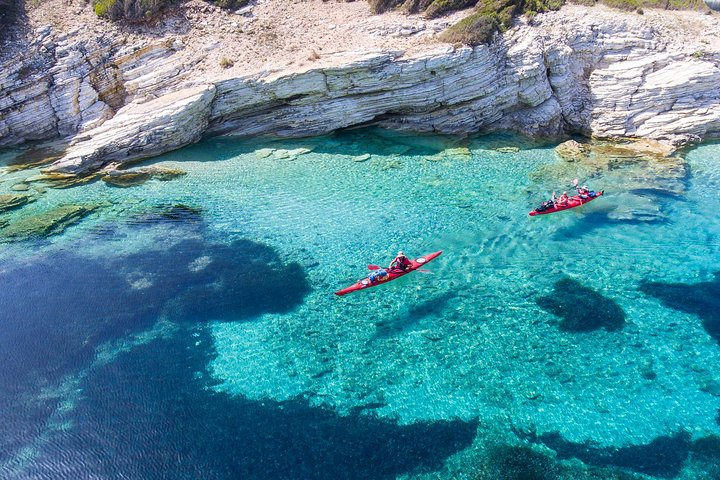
x: 378, y: 267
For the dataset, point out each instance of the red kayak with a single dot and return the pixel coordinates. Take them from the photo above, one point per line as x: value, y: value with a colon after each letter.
x: 574, y: 201
x: 390, y: 274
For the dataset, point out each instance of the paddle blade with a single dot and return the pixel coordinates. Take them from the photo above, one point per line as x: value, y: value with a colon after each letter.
x: 575, y: 182
x: 374, y: 267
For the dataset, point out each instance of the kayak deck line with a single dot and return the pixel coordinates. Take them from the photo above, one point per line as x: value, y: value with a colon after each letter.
x: 392, y: 274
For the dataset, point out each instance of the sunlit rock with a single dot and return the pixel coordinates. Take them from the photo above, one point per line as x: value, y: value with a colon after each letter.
x: 571, y: 151
x: 45, y: 224
x: 61, y: 180
x: 9, y: 201
x: 131, y: 178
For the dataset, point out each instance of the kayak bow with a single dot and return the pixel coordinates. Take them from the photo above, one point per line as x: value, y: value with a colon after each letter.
x: 574, y: 201
x: 393, y: 273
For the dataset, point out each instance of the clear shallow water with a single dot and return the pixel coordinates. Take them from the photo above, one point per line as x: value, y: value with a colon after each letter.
x: 188, y: 329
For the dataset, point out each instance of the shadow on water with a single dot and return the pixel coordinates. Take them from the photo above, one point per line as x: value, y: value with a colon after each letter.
x: 701, y: 299
x: 581, y: 309
x: 390, y: 327
x: 56, y: 311
x: 177, y: 213
x: 152, y: 414
x: 588, y: 223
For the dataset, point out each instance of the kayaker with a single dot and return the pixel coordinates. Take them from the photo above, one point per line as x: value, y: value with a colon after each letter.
x: 550, y: 203
x: 401, y: 262
x: 563, y: 200
x: 583, y: 191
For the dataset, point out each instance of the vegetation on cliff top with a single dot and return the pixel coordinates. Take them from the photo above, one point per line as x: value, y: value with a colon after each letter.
x: 491, y: 16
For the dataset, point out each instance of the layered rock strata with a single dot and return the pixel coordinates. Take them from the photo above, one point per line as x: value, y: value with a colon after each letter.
x: 618, y: 76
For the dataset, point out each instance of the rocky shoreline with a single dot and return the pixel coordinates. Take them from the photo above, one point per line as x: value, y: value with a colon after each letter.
x: 583, y: 70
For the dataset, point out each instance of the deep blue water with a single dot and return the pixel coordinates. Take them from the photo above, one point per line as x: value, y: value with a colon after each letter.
x: 188, y: 328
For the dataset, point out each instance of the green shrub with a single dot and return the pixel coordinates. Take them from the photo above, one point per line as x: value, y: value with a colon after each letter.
x: 440, y: 7
x: 103, y: 7
x: 476, y: 29
x: 231, y: 4
x: 627, y: 5
x: 491, y: 16
x: 380, y: 6
x: 687, y: 5
x: 129, y: 9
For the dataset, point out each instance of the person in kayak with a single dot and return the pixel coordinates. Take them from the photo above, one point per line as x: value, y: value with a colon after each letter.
x: 563, y: 199
x: 551, y: 202
x: 401, y: 262
x: 585, y: 192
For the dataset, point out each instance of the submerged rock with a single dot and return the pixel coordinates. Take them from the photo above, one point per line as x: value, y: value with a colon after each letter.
x: 176, y: 213
x: 61, y: 180
x: 299, y: 151
x: 264, y: 152
x: 635, y: 208
x: 636, y: 147
x: 517, y: 462
x: 47, y: 223
x: 9, y: 201
x: 131, y: 178
x: 281, y: 154
x: 582, y: 309
x: 712, y: 387
x: 571, y: 151
x: 463, y: 153
x: 701, y: 299
x: 663, y: 457
x: 20, y: 187
x: 38, y: 156
x: 126, y: 178
x: 362, y: 158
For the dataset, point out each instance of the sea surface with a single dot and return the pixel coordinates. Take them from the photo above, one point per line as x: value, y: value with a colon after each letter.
x: 187, y: 328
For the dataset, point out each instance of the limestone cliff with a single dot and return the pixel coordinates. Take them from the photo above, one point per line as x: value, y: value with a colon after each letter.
x: 615, y: 75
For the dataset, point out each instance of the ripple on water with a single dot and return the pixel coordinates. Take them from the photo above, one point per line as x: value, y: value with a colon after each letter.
x: 251, y: 246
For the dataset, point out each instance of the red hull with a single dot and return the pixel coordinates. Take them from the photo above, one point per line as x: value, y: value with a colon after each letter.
x: 573, y: 202
x: 392, y: 275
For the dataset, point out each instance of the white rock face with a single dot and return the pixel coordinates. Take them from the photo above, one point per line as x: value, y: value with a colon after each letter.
x: 140, y: 130
x: 608, y: 76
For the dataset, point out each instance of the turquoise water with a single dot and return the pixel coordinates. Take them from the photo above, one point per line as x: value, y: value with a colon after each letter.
x: 197, y: 306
